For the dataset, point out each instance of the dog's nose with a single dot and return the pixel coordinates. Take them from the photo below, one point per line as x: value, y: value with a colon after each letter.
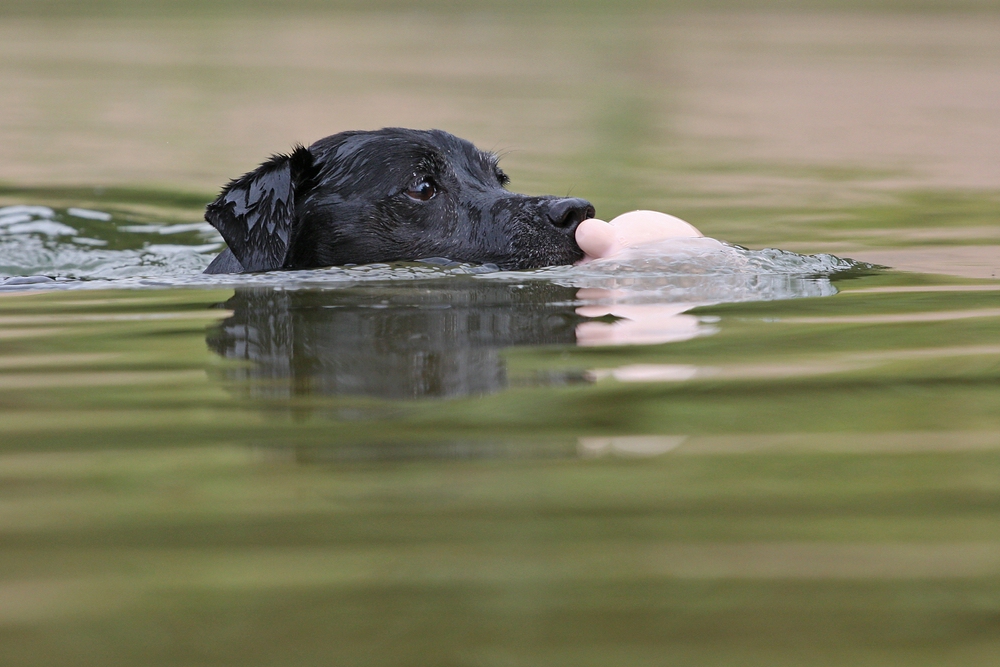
x: 568, y: 213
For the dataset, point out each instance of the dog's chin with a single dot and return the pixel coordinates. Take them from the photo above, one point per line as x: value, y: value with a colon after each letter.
x: 540, y: 259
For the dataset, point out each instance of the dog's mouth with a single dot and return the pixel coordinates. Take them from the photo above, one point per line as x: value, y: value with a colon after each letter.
x: 561, y: 253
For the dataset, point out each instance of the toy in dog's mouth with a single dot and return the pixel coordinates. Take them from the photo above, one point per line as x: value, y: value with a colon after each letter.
x: 599, y: 239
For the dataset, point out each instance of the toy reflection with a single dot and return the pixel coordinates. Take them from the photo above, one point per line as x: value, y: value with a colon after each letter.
x: 392, y: 341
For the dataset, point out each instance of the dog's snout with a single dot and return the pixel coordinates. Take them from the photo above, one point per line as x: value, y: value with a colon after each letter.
x: 568, y: 213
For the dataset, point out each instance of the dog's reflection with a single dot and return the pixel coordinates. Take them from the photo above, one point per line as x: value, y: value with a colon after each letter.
x: 399, y: 341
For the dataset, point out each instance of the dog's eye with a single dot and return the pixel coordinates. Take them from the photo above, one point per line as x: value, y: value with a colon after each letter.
x: 422, y: 191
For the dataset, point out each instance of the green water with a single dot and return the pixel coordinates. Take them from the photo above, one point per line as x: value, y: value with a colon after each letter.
x: 416, y: 466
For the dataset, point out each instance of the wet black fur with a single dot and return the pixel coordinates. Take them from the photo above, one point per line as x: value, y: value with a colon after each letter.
x: 343, y: 201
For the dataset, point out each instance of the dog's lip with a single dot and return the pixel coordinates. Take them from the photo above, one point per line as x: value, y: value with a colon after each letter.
x: 578, y: 256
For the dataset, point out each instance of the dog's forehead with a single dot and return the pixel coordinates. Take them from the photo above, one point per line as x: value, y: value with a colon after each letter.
x: 397, y: 153
x: 463, y: 153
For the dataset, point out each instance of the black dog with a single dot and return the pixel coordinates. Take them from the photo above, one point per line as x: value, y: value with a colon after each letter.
x: 387, y: 195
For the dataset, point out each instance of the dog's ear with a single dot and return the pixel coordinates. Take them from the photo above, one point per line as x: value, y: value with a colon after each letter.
x: 256, y: 212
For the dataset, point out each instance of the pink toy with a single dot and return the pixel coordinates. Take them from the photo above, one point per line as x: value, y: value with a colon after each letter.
x: 599, y: 239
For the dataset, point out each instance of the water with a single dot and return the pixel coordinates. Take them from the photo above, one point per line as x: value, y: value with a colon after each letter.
x: 706, y: 452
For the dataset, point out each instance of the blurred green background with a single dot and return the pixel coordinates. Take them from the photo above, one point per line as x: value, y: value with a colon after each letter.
x: 831, y: 493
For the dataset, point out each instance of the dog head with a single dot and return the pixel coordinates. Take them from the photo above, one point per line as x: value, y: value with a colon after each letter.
x: 387, y: 195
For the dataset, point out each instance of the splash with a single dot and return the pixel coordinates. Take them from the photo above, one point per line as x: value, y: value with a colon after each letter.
x: 75, y: 248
